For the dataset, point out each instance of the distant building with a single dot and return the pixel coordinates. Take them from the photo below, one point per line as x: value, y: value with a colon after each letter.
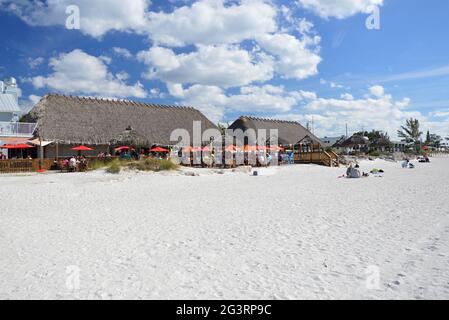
x: 354, y: 144
x: 398, y: 146
x: 332, y: 142
x: 11, y: 130
x: 9, y: 100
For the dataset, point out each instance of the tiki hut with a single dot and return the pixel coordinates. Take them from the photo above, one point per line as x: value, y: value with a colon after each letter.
x: 355, y: 143
x: 290, y: 133
x: 303, y: 144
x: 70, y: 120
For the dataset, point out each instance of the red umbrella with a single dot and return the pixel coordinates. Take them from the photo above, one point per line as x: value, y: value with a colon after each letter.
x: 122, y: 148
x: 15, y: 146
x: 81, y: 148
x: 159, y: 149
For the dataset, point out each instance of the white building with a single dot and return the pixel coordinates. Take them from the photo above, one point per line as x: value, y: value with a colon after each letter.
x: 11, y: 130
x: 9, y: 100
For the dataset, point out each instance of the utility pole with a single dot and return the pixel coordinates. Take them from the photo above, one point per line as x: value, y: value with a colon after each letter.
x: 313, y: 129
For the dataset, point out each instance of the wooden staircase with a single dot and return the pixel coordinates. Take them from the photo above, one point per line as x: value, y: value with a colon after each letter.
x: 329, y: 159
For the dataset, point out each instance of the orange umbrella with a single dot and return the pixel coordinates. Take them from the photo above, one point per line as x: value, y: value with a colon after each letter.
x: 159, y: 149
x: 250, y: 148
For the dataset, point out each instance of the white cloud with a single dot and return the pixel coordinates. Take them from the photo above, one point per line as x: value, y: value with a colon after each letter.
x: 293, y: 57
x: 122, y: 76
x: 34, y: 63
x: 377, y: 91
x: 78, y: 72
x: 347, y: 96
x: 211, y: 22
x: 224, y: 66
x: 214, y: 102
x: 97, y: 17
x: 122, y: 52
x: 420, y: 74
x: 379, y: 112
x: 339, y: 8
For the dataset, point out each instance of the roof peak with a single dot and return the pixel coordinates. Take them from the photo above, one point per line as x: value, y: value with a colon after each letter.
x: 116, y: 100
x: 268, y: 119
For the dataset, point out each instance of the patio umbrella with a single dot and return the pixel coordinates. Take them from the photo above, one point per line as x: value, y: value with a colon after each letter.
x: 250, y: 148
x: 159, y: 149
x: 15, y: 146
x: 81, y: 148
x: 276, y: 148
x: 122, y: 148
x: 231, y: 148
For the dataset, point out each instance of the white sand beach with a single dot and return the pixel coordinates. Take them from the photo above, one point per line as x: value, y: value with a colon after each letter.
x: 293, y: 232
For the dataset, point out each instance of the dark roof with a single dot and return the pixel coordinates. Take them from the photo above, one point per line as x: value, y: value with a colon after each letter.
x: 94, y: 121
x: 353, y: 141
x: 290, y: 132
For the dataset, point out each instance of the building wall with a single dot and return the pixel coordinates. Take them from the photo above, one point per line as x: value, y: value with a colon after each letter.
x: 64, y: 151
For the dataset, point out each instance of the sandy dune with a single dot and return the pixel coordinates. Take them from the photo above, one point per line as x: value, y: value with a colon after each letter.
x: 291, y: 233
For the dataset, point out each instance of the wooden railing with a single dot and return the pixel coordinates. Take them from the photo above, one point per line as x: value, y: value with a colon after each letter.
x: 329, y: 159
x: 23, y: 165
x: 438, y: 154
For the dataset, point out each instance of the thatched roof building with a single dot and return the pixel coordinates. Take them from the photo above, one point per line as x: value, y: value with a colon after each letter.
x: 355, y: 141
x: 289, y: 132
x: 91, y: 121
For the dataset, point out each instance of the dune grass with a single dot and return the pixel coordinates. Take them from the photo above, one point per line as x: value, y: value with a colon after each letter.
x: 152, y: 164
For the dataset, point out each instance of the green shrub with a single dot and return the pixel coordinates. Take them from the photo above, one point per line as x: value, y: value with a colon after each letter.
x: 168, y: 165
x: 152, y: 164
x: 96, y: 164
x: 374, y: 153
x: 115, y: 167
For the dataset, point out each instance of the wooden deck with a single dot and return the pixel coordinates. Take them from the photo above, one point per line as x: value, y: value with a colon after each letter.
x: 329, y: 159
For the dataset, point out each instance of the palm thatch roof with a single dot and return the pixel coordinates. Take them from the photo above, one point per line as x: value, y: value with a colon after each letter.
x: 354, y: 141
x: 130, y: 137
x: 289, y: 132
x: 93, y: 121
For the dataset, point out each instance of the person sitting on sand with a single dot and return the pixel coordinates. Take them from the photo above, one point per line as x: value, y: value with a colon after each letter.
x: 353, y: 172
x: 405, y: 163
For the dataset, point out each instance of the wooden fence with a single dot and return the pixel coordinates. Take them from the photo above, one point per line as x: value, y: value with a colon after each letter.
x: 23, y: 165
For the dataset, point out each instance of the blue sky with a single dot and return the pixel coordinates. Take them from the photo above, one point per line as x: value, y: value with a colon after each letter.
x: 305, y: 60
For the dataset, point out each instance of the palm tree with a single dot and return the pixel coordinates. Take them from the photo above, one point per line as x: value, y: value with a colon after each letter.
x: 411, y: 133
